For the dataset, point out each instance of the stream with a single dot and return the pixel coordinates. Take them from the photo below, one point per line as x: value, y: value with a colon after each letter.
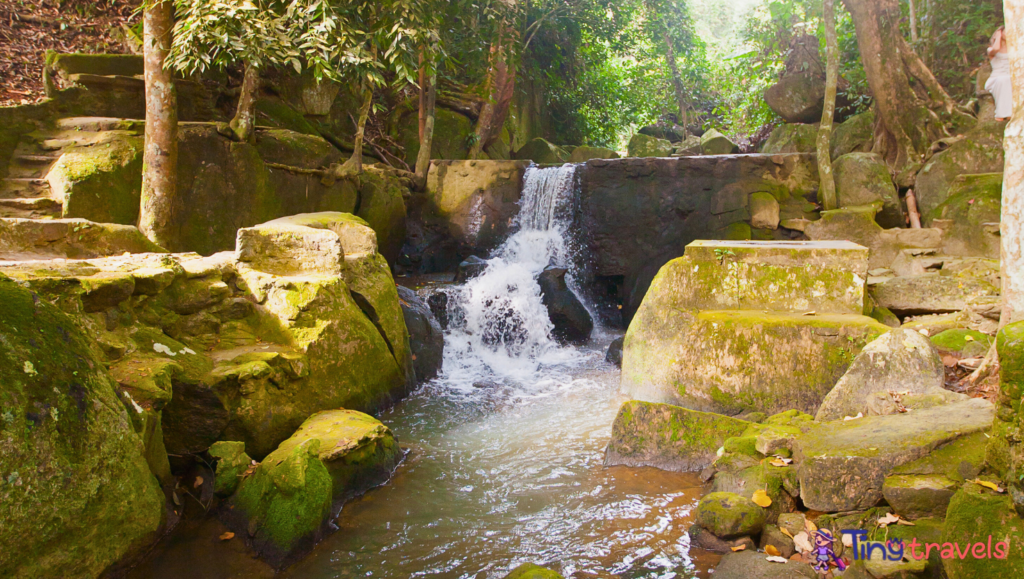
x: 505, y: 449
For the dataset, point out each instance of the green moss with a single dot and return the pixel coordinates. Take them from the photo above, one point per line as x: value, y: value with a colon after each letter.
x: 531, y: 571
x: 742, y: 445
x: 1010, y: 344
x: 278, y: 114
x: 975, y: 514
x: 970, y: 342
x: 232, y: 463
x: 738, y: 231
x: 101, y: 182
x: 729, y: 515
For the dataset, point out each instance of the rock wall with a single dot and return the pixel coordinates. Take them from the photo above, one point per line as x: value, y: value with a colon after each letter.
x: 637, y: 214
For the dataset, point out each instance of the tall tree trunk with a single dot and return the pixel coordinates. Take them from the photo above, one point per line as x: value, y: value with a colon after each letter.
x: 160, y: 152
x: 427, y: 138
x: 1012, y: 219
x: 828, y: 181
x: 905, y: 127
x: 677, y: 81
x: 244, y: 123
x: 913, y: 22
x: 423, y: 96
x: 354, y: 164
x: 501, y: 82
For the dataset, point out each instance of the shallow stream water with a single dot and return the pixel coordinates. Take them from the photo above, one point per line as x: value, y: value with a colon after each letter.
x: 505, y: 451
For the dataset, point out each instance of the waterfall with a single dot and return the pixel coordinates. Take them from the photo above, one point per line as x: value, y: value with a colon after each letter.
x: 498, y: 327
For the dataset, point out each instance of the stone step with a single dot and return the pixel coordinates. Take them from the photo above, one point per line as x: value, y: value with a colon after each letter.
x: 30, y: 208
x: 97, y: 124
x: 22, y: 187
x: 35, y: 159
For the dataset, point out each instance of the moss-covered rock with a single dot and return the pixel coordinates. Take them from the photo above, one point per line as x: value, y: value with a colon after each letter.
x: 843, y: 464
x: 981, y: 151
x: 863, y: 179
x: 764, y: 211
x: 100, y: 182
x: 919, y: 495
x: 69, y: 238
x: 854, y: 135
x: 857, y: 224
x: 715, y: 143
x: 748, y: 564
x: 932, y: 293
x: 584, y: 154
x: 668, y: 437
x: 779, y: 483
x: 542, y: 152
x: 798, y: 98
x: 532, y: 571
x: 899, y: 361
x: 978, y: 515
x: 964, y: 342
x: 382, y: 205
x: 232, y: 464
x: 77, y: 492
x: 792, y: 138
x: 971, y: 215
x: 641, y: 145
x: 729, y: 515
x: 452, y: 132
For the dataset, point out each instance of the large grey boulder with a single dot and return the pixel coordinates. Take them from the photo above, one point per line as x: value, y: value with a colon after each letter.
x: 843, y: 464
x: 584, y: 154
x: 797, y: 98
x: 863, y: 179
x: 748, y: 564
x: 426, y: 339
x: 792, y: 138
x: 715, y: 143
x: 898, y: 361
x: 571, y: 320
x: 854, y: 135
x: 729, y: 515
x: 931, y: 293
x: 542, y: 152
x: 980, y: 151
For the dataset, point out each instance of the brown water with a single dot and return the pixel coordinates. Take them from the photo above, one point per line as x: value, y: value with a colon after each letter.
x: 495, y: 477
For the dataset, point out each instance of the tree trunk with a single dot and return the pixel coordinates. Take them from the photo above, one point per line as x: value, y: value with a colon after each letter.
x: 828, y: 181
x: 905, y: 127
x: 160, y: 152
x: 244, y: 123
x: 1012, y: 219
x: 427, y: 137
x: 423, y: 97
x: 501, y: 82
x: 677, y: 81
x: 354, y: 164
x: 913, y: 22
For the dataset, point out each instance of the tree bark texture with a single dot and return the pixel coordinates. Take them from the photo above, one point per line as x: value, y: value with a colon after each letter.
x: 905, y: 127
x: 828, y: 181
x: 501, y: 84
x: 423, y: 97
x: 913, y: 21
x: 244, y: 123
x: 677, y: 81
x: 354, y: 164
x: 1012, y: 216
x: 427, y: 138
x: 160, y: 154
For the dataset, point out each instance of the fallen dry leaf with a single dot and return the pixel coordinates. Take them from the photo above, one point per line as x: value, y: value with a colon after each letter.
x: 810, y: 526
x: 888, y: 519
x: 859, y: 415
x: 738, y: 548
x: 786, y: 532
x: 198, y: 483
x: 771, y: 550
x: 810, y: 313
x: 802, y: 542
x: 905, y: 522
x: 227, y: 536
x: 761, y: 498
x: 989, y: 485
x: 775, y: 559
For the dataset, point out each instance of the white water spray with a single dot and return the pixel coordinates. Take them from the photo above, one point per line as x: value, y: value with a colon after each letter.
x: 499, y: 329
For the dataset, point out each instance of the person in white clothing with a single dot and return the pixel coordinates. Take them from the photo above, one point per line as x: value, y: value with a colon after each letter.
x: 999, y: 83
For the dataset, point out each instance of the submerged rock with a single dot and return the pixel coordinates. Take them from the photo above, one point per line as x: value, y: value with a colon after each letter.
x: 531, y: 571
x: 668, y: 437
x: 471, y: 267
x: 614, y: 354
x: 78, y: 495
x: 426, y: 339
x: 901, y: 361
x: 571, y: 320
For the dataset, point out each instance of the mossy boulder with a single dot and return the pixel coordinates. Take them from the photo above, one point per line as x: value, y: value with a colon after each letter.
x: 792, y: 138
x: 779, y: 483
x: 975, y: 515
x: 863, y: 179
x: 532, y: 571
x: 729, y: 515
x: 668, y: 437
x: 843, y: 464
x: 232, y: 464
x: 764, y: 211
x: 641, y: 145
x: 715, y: 143
x: 857, y: 224
x: 1010, y: 344
x: 100, y: 182
x: 933, y: 293
x: 964, y: 342
x: 382, y: 205
x: 798, y: 98
x: 981, y: 151
x: 70, y: 238
x: 854, y: 135
x: 584, y: 154
x: 452, y: 131
x: 78, y: 494
x: 542, y: 152
x: 971, y: 215
x: 898, y: 361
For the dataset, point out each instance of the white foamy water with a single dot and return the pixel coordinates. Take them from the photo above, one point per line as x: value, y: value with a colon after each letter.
x: 500, y: 332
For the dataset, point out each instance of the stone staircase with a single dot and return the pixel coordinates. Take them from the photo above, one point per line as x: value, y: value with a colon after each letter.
x: 25, y: 191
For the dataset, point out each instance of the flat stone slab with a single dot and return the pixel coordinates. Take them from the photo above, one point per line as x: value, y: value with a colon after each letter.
x: 668, y: 437
x: 778, y: 276
x: 842, y: 465
x: 314, y: 243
